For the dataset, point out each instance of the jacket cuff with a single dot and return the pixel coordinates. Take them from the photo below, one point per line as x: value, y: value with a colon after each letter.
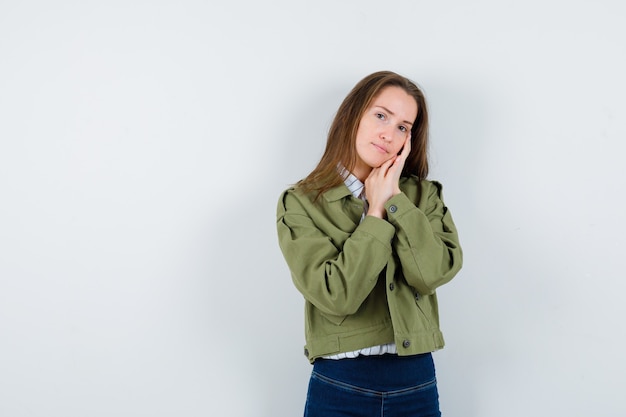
x: 380, y: 229
x: 397, y: 206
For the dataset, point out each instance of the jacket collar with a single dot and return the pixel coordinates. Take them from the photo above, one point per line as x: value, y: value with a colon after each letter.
x: 351, y: 186
x: 337, y: 193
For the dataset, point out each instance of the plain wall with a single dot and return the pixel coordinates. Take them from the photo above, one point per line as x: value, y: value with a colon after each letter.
x: 143, y: 146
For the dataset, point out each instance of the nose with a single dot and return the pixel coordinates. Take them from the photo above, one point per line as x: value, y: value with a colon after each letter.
x: 386, y: 134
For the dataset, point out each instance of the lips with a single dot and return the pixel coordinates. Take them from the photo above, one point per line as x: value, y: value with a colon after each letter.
x: 380, y: 148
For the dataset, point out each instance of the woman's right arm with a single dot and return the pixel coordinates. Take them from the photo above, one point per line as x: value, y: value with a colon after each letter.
x: 335, y: 280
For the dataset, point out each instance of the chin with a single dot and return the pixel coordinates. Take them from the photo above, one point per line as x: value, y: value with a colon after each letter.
x: 379, y: 162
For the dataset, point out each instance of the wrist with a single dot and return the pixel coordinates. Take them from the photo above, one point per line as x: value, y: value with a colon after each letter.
x: 380, y: 213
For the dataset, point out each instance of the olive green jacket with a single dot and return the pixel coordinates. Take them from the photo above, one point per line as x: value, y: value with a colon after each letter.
x: 369, y: 282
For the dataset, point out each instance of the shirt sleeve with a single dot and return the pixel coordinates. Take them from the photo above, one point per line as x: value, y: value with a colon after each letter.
x: 427, y: 242
x: 336, y: 280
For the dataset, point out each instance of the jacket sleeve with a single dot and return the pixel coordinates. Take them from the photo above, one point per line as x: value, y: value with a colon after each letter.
x: 427, y: 242
x: 334, y: 279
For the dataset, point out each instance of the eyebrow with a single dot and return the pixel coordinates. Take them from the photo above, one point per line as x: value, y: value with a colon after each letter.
x: 392, y: 113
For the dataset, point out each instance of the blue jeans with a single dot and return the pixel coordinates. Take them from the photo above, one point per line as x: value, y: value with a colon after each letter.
x: 368, y: 386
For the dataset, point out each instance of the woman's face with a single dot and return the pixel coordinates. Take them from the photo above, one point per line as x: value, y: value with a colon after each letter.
x: 383, y: 129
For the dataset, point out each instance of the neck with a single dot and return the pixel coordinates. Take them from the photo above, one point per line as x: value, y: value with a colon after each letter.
x: 362, y: 172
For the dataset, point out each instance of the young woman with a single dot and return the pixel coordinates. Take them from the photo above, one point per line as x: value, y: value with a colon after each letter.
x: 368, y: 240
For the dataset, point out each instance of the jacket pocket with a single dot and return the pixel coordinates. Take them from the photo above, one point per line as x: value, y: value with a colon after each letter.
x: 427, y: 307
x: 334, y: 319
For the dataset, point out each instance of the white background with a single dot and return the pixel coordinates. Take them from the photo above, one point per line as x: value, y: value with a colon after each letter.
x: 143, y: 145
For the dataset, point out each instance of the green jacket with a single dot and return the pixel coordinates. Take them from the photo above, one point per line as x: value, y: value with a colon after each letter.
x: 371, y: 282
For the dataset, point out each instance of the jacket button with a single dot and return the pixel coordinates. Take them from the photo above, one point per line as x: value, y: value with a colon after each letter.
x: 391, y: 287
x: 393, y: 209
x: 406, y: 343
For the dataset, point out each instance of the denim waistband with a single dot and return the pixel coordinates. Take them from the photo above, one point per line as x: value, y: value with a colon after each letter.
x: 379, y: 372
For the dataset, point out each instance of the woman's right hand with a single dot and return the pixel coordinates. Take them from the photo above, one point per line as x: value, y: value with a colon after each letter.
x: 383, y: 182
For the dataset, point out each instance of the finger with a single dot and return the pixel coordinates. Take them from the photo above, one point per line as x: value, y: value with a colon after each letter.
x: 407, y: 146
x: 406, y: 150
x: 388, y: 164
x: 397, y: 166
x: 374, y: 173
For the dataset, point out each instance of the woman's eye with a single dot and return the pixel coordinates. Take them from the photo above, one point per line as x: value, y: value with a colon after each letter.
x: 403, y: 129
x: 380, y: 116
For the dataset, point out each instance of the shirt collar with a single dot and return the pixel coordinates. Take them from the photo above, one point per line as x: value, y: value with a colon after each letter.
x: 353, y: 183
x: 351, y: 186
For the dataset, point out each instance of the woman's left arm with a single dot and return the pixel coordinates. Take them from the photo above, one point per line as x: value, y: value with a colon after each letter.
x: 426, y: 242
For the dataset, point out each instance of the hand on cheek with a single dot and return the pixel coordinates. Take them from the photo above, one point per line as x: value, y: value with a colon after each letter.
x: 383, y: 182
